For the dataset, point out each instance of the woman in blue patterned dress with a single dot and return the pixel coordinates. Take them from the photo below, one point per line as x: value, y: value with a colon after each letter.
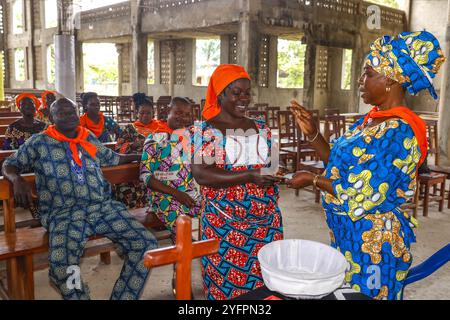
x: 371, y: 170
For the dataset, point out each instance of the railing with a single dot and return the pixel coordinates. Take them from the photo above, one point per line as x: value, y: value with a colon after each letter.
x: 113, y: 11
x: 156, y: 5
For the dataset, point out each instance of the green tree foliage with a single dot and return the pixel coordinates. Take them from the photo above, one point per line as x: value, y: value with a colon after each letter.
x: 387, y: 3
x: 102, y: 74
x: 291, y: 61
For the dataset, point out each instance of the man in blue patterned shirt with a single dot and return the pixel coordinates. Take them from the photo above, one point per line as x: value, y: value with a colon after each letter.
x: 75, y: 201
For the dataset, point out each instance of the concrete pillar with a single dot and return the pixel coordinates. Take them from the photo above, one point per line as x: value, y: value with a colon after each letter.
x: 310, y: 73
x: 172, y: 48
x: 79, y: 66
x: 273, y: 61
x: 65, y: 65
x: 29, y: 18
x: 444, y: 105
x: 248, y: 38
x: 357, y: 66
x: 119, y: 48
x: 139, y: 50
x: 225, y: 49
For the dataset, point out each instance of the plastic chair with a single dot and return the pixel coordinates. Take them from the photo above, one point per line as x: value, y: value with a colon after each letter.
x: 428, y: 267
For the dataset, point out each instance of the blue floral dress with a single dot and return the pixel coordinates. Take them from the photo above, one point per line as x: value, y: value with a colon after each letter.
x: 373, y: 173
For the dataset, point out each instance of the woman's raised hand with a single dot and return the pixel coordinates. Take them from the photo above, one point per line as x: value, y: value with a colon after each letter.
x: 304, y: 119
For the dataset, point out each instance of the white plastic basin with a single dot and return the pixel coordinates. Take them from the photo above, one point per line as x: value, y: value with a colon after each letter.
x: 302, y: 269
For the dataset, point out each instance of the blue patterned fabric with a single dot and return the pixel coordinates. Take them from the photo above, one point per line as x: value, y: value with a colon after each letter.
x: 72, y: 210
x: 411, y: 58
x: 373, y: 172
x: 110, y: 129
x: 243, y: 217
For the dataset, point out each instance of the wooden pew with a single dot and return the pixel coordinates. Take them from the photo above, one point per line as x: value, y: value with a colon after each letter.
x: 2, y: 140
x: 18, y: 245
x: 182, y: 254
x: 3, y: 128
x: 8, y: 120
x: 9, y: 114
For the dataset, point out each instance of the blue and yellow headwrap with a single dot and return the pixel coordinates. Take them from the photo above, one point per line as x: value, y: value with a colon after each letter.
x: 412, y: 59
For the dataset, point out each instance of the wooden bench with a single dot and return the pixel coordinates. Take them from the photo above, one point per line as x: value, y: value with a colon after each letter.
x: 21, y: 240
x: 3, y: 128
x: 8, y: 120
x: 9, y: 114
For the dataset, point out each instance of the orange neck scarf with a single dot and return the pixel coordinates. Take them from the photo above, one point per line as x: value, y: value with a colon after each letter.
x: 418, y: 126
x: 154, y: 126
x: 96, y: 128
x: 220, y: 79
x: 81, y: 139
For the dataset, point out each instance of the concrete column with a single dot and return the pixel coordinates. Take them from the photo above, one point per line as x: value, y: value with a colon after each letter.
x: 79, y: 66
x: 248, y: 37
x: 139, y: 69
x: 357, y: 65
x: 173, y: 48
x: 444, y: 105
x: 31, y: 59
x: 225, y: 49
x: 65, y: 65
x: 139, y: 50
x: 157, y: 46
x: 273, y: 61
x: 310, y: 73
x: 119, y: 48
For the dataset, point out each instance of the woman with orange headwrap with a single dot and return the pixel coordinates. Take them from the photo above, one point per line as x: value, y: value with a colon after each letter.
x: 240, y: 203
x: 47, y: 98
x: 19, y: 131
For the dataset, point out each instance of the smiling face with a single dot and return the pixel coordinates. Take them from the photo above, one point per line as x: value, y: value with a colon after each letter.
x: 180, y: 116
x: 64, y: 115
x: 372, y: 86
x: 236, y: 98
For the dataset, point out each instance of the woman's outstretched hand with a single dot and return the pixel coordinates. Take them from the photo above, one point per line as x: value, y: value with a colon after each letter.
x: 300, y: 180
x: 304, y: 119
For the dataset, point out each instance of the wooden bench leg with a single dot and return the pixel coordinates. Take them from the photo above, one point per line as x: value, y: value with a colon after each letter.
x: 441, y: 202
x: 20, y: 278
x: 426, y: 200
x: 105, y: 257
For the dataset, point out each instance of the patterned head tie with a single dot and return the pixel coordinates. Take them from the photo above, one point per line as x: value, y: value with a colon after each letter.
x: 412, y: 59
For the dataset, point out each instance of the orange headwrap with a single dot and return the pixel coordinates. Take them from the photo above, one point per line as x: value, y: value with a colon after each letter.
x: 44, y: 97
x: 22, y: 96
x: 81, y: 139
x: 96, y: 128
x: 418, y: 126
x: 220, y: 79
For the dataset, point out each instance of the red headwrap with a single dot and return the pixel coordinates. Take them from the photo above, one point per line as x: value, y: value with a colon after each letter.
x: 220, y: 79
x: 418, y: 126
x: 22, y: 96
x: 44, y: 97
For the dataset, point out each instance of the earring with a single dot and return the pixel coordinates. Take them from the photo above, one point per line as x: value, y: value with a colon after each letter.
x: 388, y: 89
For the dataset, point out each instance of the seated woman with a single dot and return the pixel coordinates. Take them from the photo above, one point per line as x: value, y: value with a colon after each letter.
x: 101, y: 126
x: 47, y: 98
x: 21, y: 130
x: 166, y: 170
x: 371, y: 170
x: 131, y: 140
x: 240, y: 203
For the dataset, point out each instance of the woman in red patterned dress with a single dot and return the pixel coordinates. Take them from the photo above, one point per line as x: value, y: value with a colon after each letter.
x: 240, y: 204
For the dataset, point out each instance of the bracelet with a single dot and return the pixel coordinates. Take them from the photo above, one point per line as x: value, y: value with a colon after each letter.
x: 315, y: 137
x: 316, y: 179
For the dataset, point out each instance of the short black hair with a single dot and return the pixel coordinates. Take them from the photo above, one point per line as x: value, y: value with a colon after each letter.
x: 85, y: 97
x: 60, y: 102
x: 141, y: 99
x: 177, y: 100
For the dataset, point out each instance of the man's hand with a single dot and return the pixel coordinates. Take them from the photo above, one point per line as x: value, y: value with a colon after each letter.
x: 23, y: 195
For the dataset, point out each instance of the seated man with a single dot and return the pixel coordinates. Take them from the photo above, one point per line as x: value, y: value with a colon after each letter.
x: 75, y: 202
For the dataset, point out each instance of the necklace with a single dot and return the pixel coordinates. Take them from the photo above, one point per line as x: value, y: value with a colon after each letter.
x: 76, y: 169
